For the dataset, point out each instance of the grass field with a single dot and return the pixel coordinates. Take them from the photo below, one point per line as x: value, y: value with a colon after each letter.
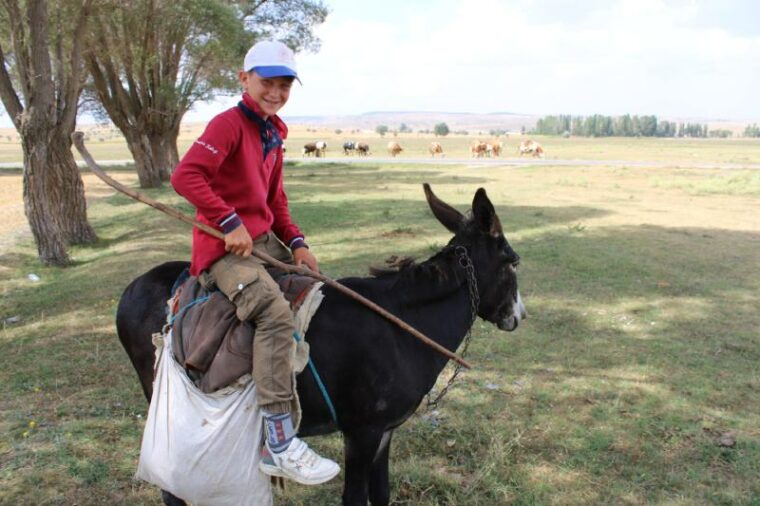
x: 679, y: 152
x: 635, y: 380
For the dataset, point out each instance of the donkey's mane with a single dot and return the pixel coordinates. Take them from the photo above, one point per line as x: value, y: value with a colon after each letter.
x: 407, y: 270
x: 402, y: 271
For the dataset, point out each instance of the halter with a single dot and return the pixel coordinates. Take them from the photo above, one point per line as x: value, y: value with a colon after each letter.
x: 465, y: 262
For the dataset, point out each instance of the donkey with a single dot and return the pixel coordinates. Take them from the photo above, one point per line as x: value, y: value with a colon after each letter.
x: 376, y: 374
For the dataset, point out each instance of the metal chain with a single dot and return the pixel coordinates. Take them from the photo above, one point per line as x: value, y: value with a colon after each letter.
x: 472, y: 284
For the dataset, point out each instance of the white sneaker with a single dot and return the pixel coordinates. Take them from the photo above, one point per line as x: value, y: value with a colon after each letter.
x: 299, y: 463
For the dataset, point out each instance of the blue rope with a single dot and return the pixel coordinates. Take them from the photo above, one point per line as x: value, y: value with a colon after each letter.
x: 321, y: 385
x: 187, y: 306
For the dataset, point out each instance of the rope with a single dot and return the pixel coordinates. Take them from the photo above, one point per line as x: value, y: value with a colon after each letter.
x: 321, y: 385
x: 187, y: 306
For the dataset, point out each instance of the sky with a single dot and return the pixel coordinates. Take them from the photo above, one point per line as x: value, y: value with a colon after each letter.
x: 671, y: 58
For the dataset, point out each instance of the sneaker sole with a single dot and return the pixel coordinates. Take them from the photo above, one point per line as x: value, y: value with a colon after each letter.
x: 270, y: 470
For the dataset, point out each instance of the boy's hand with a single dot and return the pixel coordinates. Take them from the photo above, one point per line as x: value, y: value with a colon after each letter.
x: 303, y: 256
x: 239, y: 242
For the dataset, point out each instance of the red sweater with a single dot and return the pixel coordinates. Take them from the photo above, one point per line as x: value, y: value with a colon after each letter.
x: 224, y: 172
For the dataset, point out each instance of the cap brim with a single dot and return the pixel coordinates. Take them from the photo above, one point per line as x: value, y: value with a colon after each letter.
x: 276, y: 71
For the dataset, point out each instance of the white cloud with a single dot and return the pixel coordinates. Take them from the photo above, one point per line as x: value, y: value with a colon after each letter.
x: 638, y: 56
x: 666, y: 57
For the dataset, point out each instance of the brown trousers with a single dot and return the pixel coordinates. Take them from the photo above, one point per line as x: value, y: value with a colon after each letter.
x: 258, y: 298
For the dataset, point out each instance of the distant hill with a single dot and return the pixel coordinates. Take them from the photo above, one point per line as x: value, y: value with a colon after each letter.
x: 418, y: 120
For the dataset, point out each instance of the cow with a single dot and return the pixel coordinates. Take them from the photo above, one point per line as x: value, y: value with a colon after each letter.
x: 349, y: 147
x: 435, y: 149
x: 477, y: 149
x: 310, y: 149
x: 531, y: 147
x: 362, y: 149
x: 394, y: 148
x: 494, y: 148
x: 321, y: 147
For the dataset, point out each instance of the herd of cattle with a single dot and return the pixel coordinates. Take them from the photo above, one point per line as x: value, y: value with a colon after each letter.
x: 478, y: 149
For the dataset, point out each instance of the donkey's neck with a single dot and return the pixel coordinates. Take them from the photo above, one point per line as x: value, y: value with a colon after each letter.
x: 435, y: 296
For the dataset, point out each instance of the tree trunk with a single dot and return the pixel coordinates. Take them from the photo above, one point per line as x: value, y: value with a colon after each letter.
x: 54, y: 200
x: 165, y: 154
x: 73, y: 204
x: 147, y: 172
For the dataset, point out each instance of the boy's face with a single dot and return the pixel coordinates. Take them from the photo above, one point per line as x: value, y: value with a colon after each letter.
x: 271, y: 93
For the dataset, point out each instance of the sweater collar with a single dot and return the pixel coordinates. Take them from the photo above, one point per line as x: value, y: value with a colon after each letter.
x: 280, y: 125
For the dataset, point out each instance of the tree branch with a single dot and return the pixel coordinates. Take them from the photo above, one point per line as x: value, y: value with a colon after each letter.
x: 59, y: 84
x: 41, y: 71
x: 8, y: 94
x: 73, y: 87
x: 20, y: 49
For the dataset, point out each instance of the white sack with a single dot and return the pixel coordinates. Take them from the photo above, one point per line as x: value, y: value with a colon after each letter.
x: 203, y: 448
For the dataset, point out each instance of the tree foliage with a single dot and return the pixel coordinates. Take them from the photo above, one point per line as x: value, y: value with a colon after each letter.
x: 722, y: 133
x: 752, y: 130
x: 381, y: 129
x: 151, y: 60
x: 598, y: 125
x: 441, y: 129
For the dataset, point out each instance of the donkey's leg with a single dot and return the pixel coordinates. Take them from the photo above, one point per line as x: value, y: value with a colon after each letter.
x: 379, y: 490
x: 360, y: 449
x: 171, y: 500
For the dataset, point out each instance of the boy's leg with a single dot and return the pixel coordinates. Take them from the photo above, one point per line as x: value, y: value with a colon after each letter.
x: 258, y: 298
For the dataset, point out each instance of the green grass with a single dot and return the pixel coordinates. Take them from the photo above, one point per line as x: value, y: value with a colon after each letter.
x: 640, y: 352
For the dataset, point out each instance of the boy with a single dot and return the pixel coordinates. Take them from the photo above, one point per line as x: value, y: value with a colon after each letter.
x: 233, y: 176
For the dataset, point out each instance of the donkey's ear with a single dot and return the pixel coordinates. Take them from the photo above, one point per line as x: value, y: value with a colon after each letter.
x: 484, y: 214
x: 447, y: 215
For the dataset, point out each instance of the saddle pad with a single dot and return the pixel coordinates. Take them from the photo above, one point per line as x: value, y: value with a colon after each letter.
x: 214, y: 346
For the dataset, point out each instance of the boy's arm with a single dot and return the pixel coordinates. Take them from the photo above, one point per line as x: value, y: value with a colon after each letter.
x: 199, y: 165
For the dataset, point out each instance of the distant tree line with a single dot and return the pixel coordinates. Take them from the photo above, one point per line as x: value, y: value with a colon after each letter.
x: 720, y: 132
x: 752, y: 130
x: 618, y: 126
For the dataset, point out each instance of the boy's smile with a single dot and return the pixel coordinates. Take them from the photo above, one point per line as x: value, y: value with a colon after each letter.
x: 270, y: 93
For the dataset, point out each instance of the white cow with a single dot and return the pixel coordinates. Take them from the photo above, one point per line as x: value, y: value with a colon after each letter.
x: 531, y: 147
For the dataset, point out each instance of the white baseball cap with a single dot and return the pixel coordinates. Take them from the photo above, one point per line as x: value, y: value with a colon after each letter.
x: 270, y: 58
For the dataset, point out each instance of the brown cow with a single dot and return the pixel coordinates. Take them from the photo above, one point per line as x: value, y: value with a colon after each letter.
x: 494, y: 148
x: 310, y: 149
x: 435, y: 149
x: 531, y: 147
x: 362, y: 149
x: 394, y: 148
x: 477, y: 149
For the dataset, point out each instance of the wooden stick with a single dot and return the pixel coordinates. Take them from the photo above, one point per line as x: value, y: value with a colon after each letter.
x: 78, y: 139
